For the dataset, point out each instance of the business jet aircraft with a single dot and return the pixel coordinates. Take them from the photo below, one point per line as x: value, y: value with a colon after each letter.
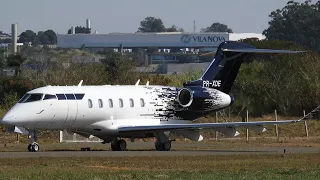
x: 138, y: 111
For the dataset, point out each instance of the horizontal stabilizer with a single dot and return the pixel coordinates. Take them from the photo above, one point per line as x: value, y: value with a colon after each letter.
x: 253, y: 50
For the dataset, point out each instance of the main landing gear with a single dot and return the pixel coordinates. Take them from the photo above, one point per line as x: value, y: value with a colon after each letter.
x: 33, y: 146
x: 162, y: 146
x: 118, y: 145
x: 163, y: 143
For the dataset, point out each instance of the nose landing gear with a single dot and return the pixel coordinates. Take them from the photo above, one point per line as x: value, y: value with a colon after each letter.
x: 33, y: 146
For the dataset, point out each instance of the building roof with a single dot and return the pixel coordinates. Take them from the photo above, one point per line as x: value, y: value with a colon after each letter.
x: 238, y: 36
x: 143, y: 40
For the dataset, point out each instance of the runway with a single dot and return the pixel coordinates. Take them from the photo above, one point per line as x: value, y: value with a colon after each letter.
x: 146, y: 150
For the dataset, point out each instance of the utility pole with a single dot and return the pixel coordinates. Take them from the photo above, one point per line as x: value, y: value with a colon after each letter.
x: 194, y: 26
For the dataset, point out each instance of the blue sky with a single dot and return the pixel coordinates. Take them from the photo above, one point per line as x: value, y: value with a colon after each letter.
x: 125, y: 15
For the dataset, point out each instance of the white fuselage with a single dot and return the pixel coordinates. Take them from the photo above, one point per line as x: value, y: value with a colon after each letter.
x: 97, y: 110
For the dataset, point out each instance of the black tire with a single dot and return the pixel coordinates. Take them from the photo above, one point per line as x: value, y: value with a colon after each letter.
x: 159, y: 146
x: 30, y: 147
x: 122, y: 145
x: 167, y: 146
x: 35, y: 147
x: 114, y: 147
x: 163, y: 146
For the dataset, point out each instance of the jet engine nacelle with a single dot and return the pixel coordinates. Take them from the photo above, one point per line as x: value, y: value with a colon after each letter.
x: 185, y: 97
x: 203, y: 99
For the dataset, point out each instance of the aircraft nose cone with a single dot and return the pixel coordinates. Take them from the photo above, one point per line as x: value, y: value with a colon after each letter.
x: 7, y: 119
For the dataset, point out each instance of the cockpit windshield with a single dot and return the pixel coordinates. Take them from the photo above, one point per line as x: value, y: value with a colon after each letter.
x: 36, y: 97
x: 31, y: 98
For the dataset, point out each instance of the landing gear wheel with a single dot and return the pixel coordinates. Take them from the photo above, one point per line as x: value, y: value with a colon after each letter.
x: 114, y: 147
x: 167, y: 146
x: 163, y: 146
x: 29, y: 147
x: 34, y: 147
x: 119, y: 145
x: 122, y: 145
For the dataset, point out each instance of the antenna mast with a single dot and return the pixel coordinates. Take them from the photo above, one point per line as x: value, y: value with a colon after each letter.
x: 194, y: 26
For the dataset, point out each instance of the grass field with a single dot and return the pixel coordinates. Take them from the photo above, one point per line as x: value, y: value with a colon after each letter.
x: 293, y: 166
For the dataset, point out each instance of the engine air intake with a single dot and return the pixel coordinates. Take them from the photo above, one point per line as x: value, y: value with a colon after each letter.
x: 185, y: 97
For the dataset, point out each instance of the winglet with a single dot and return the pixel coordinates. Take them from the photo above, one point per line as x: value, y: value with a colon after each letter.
x: 80, y: 83
x: 137, y: 83
x: 311, y: 114
x: 147, y: 84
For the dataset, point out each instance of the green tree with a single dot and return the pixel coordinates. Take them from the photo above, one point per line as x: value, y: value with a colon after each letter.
x: 296, y: 22
x: 286, y: 82
x: 42, y: 38
x: 52, y: 36
x: 119, y: 68
x: 28, y: 36
x: 151, y: 24
x: 80, y: 30
x: 174, y: 28
x: 16, y: 61
x: 2, y: 59
x: 217, y: 27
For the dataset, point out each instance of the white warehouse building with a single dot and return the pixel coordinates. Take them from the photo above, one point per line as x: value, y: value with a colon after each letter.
x: 144, y: 40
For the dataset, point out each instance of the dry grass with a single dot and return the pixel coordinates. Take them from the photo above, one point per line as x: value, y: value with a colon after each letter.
x: 295, y: 166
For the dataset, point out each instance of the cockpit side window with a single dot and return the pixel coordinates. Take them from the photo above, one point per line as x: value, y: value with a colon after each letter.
x: 33, y: 97
x: 49, y: 96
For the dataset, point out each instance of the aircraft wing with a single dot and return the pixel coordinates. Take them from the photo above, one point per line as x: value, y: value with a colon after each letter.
x: 258, y: 125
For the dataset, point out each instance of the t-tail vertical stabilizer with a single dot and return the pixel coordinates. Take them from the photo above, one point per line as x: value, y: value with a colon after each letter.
x: 224, y: 68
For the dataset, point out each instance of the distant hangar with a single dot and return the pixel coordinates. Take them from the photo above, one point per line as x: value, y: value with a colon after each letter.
x: 145, y: 40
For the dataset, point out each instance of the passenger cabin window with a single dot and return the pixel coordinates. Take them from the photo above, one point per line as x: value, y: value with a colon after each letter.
x: 110, y: 103
x: 61, y: 96
x: 31, y: 98
x: 70, y: 96
x: 49, y: 96
x: 79, y: 96
x: 142, y: 102
x: 89, y: 103
x: 100, y: 103
x: 120, y: 103
x: 131, y: 102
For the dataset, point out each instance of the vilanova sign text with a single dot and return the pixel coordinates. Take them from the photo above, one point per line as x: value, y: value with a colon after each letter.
x: 187, y: 38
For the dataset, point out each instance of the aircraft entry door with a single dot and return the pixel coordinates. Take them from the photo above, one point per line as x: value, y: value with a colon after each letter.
x: 72, y: 110
x: 58, y: 109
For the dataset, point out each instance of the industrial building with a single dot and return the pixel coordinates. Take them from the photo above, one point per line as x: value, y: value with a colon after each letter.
x: 172, y: 44
x: 202, y: 41
x: 167, y: 40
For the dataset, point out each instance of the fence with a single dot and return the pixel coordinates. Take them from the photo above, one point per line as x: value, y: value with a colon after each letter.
x: 65, y: 136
